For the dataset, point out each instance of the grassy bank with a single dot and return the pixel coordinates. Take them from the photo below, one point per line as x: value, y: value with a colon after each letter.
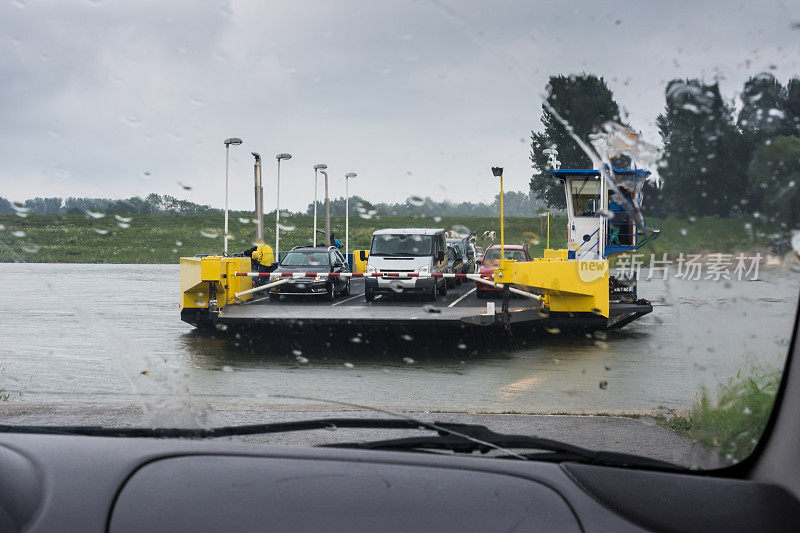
x: 732, y: 419
x: 164, y: 238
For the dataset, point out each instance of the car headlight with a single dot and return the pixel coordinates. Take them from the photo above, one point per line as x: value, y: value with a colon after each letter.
x: 424, y: 268
x: 318, y: 278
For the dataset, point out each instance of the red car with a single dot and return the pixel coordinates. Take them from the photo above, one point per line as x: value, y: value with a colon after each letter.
x: 490, y: 261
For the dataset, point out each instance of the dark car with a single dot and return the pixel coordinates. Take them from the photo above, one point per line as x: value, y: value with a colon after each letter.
x: 490, y: 261
x: 463, y: 248
x: 310, y: 259
x: 455, y: 265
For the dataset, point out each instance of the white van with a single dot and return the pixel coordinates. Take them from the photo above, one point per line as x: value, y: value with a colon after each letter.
x: 407, y: 250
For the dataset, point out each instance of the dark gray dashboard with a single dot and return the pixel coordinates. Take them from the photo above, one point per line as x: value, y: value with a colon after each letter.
x: 66, y: 483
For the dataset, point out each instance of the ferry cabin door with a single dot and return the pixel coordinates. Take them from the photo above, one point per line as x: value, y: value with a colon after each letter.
x: 584, y: 201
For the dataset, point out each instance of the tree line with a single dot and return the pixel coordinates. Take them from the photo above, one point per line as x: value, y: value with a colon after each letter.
x: 715, y: 162
x: 516, y: 204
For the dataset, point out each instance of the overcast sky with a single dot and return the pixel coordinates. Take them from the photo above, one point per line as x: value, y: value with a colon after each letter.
x: 115, y: 99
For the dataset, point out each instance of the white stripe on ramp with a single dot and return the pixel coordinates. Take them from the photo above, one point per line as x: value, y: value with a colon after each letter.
x: 347, y: 300
x: 463, y: 296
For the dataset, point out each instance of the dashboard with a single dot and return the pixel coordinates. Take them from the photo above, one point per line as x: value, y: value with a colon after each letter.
x: 73, y: 483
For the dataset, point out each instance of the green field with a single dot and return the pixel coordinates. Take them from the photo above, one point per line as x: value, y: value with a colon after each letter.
x: 164, y: 238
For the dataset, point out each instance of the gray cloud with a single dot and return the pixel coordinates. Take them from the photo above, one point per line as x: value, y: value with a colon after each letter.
x: 417, y: 97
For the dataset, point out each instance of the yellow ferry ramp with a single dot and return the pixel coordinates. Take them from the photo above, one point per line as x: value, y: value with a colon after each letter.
x: 569, y: 286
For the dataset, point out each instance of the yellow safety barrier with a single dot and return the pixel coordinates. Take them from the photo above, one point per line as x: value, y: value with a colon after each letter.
x: 359, y: 264
x: 568, y: 285
x: 212, y: 277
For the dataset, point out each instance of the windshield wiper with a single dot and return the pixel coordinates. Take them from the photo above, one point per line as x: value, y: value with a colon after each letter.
x: 553, y: 450
x: 459, y: 438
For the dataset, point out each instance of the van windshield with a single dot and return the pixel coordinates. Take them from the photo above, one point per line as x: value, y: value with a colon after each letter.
x: 401, y: 244
x: 306, y: 259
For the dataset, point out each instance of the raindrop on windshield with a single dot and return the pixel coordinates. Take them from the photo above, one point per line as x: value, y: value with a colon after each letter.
x: 396, y: 286
x: 210, y: 233
x: 123, y: 225
x: 348, y: 365
x: 462, y: 231
x: 94, y: 214
x: 415, y: 201
x: 407, y: 337
x: 355, y: 340
x: 18, y: 233
x: 554, y: 331
x: 227, y: 368
x: 123, y: 219
x: 286, y: 228
x: 431, y: 309
x: 603, y: 385
x: 101, y: 231
x: 408, y: 361
x: 244, y: 220
x: 302, y: 360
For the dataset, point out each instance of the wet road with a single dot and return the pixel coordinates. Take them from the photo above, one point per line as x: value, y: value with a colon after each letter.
x: 110, y: 335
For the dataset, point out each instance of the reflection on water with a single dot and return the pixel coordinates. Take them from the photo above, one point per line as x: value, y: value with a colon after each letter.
x: 114, y: 334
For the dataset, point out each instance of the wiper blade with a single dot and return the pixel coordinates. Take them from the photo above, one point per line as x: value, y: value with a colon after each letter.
x: 554, y: 450
x: 224, y: 431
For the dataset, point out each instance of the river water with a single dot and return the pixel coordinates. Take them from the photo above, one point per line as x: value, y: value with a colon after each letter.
x: 111, y: 335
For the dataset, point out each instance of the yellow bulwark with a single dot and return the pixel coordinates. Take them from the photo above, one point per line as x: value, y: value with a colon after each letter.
x: 212, y: 277
x: 568, y: 286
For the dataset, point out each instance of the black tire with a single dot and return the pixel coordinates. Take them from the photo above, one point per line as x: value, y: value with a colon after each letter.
x: 480, y: 295
x: 346, y: 290
x: 434, y: 294
x: 451, y: 282
x: 331, y: 294
x: 444, y: 287
x: 369, y: 295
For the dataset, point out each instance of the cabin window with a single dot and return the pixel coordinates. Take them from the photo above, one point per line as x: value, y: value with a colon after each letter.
x: 585, y: 197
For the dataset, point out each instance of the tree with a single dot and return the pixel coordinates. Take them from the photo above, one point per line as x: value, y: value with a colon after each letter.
x: 705, y: 157
x: 586, y: 102
x: 763, y: 103
x: 791, y: 119
x: 775, y: 169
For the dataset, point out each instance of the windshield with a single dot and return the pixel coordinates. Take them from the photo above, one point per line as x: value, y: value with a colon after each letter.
x: 401, y: 244
x: 493, y: 254
x: 158, y: 159
x: 306, y: 259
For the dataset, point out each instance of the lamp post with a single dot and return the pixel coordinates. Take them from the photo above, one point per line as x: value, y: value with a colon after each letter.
x: 498, y: 173
x: 347, y: 212
x: 278, y: 206
x: 228, y: 142
x: 317, y: 168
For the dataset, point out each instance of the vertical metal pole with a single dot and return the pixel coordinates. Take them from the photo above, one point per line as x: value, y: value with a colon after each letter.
x: 225, y: 235
x: 315, y: 207
x: 278, y: 215
x: 346, y: 216
x: 548, y: 229
x: 259, y: 200
x: 327, y: 212
x: 502, y: 223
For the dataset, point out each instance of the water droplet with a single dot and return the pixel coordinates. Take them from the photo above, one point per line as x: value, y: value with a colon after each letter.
x: 30, y: 248
x: 221, y: 327
x: 132, y: 120
x: 601, y: 344
x: 209, y: 232
x: 101, y: 231
x: 227, y: 368
x: 416, y: 201
x: 462, y: 231
x: 355, y: 340
x: 437, y: 219
x: 747, y: 411
x: 244, y: 220
x: 461, y: 346
x: 396, y: 286
x: 185, y: 187
x: 600, y: 335
x: 122, y: 219
x: 554, y: 331
x: 408, y: 361
x: 684, y: 232
x: 197, y: 101
x: 407, y: 337
x: 95, y: 215
x: 178, y: 243
x: 18, y: 233
x: 123, y: 225
x: 603, y: 385
x: 431, y: 309
x: 302, y: 360
x: 348, y: 365
x: 286, y: 228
